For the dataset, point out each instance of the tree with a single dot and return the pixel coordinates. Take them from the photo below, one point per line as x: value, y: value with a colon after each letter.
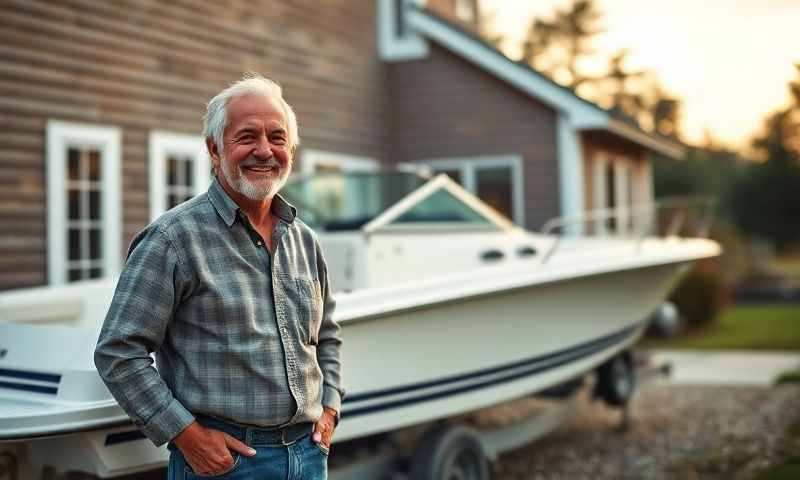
x: 767, y: 200
x: 555, y: 47
x: 559, y: 46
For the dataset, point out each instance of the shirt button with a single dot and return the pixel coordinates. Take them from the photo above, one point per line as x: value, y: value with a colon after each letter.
x: 258, y: 243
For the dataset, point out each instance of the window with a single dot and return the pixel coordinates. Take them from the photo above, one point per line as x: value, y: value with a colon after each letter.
x: 83, y: 201
x: 495, y: 180
x: 179, y: 170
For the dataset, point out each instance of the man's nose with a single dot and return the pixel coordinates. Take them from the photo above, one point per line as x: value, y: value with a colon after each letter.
x: 264, y: 148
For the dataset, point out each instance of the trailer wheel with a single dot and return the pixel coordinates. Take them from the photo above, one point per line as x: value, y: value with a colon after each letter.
x: 615, y: 380
x: 450, y: 454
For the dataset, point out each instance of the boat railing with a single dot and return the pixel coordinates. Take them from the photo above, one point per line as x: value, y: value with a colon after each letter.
x: 680, y: 216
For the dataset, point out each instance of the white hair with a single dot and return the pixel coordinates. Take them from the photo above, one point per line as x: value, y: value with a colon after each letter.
x: 216, y: 118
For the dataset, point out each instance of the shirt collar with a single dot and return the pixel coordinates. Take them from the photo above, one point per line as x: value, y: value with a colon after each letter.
x: 228, y: 209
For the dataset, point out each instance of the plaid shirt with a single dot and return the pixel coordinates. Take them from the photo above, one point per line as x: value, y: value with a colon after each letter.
x: 238, y: 332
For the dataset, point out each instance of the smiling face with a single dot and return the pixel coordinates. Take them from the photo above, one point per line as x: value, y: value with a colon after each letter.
x: 257, y: 157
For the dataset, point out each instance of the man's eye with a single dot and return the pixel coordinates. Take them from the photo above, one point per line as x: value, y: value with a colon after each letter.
x: 278, y: 140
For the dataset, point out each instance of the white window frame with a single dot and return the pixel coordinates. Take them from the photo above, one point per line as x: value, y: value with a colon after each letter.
x: 60, y: 136
x: 393, y: 45
x: 162, y: 144
x: 467, y: 166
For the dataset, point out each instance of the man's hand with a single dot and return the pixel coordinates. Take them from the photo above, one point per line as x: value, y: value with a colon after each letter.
x: 207, y: 451
x: 323, y: 429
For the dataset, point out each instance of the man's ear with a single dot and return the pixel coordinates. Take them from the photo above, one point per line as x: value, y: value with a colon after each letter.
x: 213, y: 152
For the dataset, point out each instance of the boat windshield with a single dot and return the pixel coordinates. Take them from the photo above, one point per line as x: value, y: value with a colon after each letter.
x: 340, y: 201
x: 348, y: 200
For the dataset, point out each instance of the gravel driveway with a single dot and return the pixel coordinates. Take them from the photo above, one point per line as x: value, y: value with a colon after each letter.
x: 678, y: 432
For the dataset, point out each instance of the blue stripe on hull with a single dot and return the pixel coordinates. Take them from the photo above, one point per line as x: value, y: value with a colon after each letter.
x: 26, y: 387
x: 521, y: 369
x: 25, y: 375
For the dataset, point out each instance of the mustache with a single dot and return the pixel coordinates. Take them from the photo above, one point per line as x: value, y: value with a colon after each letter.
x: 253, y: 161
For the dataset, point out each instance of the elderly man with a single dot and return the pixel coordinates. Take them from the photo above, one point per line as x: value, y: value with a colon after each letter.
x: 231, y: 292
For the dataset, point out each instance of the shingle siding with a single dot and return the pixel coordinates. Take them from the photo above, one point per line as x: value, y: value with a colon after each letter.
x: 152, y: 65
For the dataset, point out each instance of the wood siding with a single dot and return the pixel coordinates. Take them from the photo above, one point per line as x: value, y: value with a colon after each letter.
x: 444, y: 107
x: 152, y: 65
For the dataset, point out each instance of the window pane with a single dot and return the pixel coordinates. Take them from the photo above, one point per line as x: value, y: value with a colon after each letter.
x: 95, y: 273
x: 74, y: 244
x: 441, y: 206
x: 74, y: 207
x: 74, y: 274
x: 172, y: 171
x: 188, y: 169
x: 94, y: 165
x: 74, y: 163
x: 611, y: 197
x: 94, y: 205
x: 95, y: 244
x: 494, y: 188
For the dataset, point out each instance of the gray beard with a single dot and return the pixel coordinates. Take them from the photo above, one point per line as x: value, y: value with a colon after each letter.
x: 250, y: 190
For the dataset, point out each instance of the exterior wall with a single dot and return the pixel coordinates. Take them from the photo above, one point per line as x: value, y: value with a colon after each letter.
x: 143, y: 66
x: 444, y: 107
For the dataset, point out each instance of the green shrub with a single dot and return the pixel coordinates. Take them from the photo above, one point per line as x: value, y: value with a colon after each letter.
x: 790, y: 376
x: 699, y: 297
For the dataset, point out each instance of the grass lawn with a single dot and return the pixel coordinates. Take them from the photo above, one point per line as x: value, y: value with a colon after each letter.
x: 744, y: 327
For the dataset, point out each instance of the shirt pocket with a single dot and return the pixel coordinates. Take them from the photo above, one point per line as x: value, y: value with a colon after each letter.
x: 310, y: 303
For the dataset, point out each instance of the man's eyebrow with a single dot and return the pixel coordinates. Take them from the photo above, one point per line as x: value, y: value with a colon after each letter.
x: 245, y: 129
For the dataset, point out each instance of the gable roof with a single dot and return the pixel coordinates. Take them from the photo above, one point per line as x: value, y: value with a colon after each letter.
x: 583, y: 115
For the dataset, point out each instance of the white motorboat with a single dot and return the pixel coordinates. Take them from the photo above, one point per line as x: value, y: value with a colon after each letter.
x: 446, y: 307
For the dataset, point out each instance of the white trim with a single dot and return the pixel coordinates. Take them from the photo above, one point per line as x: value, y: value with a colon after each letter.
x: 599, y: 194
x: 393, y: 47
x: 161, y: 144
x: 347, y: 163
x: 59, y: 136
x: 570, y: 173
x: 467, y: 166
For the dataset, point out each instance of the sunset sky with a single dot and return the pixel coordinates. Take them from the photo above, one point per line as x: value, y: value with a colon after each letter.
x: 728, y: 60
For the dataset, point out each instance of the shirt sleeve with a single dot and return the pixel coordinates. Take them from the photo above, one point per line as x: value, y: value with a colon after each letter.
x: 330, y: 341
x: 149, y: 289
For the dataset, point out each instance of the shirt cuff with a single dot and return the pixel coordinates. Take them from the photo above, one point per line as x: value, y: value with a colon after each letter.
x: 331, y: 398
x: 168, y: 423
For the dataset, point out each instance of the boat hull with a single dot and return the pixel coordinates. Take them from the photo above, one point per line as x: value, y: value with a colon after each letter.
x: 418, y: 365
x: 414, y: 365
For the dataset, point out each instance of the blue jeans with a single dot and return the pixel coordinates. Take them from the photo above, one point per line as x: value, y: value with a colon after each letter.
x: 302, y: 459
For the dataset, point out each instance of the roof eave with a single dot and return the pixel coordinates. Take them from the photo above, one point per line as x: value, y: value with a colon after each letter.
x: 668, y: 148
